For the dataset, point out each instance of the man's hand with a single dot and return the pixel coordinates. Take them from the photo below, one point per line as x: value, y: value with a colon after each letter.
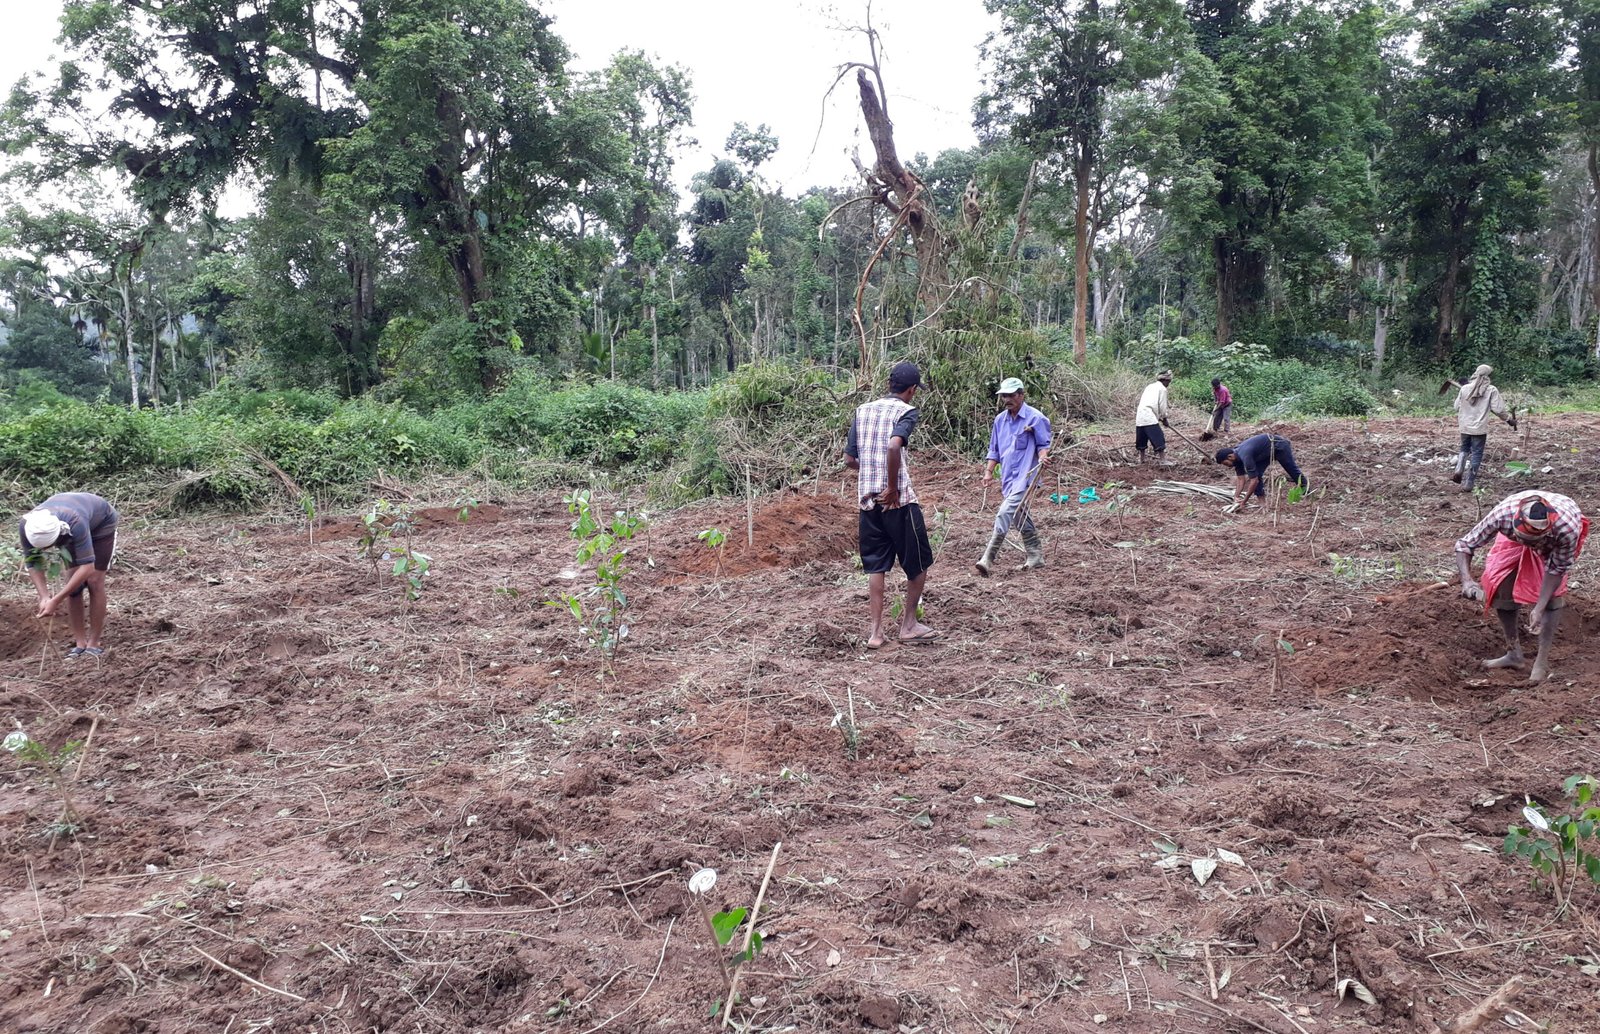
x: 988, y: 472
x: 889, y: 498
x: 1535, y: 620
x: 1512, y: 420
x: 1044, y: 457
x: 47, y: 606
x: 1471, y: 589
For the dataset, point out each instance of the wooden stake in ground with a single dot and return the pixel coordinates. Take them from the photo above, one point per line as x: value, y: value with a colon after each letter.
x: 749, y: 511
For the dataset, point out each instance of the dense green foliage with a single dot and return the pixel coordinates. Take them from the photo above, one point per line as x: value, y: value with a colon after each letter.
x: 464, y: 252
x: 213, y: 451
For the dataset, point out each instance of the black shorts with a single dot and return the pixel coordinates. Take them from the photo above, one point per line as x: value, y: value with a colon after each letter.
x: 105, y: 551
x: 890, y: 535
x: 1151, y: 435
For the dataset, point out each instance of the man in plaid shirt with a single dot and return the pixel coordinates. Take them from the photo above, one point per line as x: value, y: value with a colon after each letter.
x: 1537, y: 538
x: 890, y: 525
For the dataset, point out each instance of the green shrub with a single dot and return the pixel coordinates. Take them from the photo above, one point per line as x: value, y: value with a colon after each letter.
x: 75, y: 443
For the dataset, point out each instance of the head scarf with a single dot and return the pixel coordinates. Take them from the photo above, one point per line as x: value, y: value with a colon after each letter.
x: 1533, y: 517
x: 1479, y: 383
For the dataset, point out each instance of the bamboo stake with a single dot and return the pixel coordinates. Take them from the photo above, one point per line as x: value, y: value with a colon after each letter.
x: 749, y: 933
x: 1311, y: 538
x: 749, y: 511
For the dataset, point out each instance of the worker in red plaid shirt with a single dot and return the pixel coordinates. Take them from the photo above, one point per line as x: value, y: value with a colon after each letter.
x: 1537, y: 538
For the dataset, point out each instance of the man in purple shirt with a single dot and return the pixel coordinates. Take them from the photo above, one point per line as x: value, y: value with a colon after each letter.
x: 1019, y: 446
x: 84, y: 526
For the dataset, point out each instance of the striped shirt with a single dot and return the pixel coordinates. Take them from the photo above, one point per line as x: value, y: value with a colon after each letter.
x: 875, y: 423
x: 1558, y: 546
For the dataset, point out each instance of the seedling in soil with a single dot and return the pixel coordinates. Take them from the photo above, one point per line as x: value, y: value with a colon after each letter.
x: 845, y: 722
x: 714, y: 539
x: 1561, y: 848
x: 50, y: 761
x: 386, y: 531
x: 724, y: 926
x: 465, y: 506
x: 308, y: 506
x: 601, y: 610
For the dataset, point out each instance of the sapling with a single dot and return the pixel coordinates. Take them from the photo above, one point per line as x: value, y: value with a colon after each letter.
x: 465, y: 506
x: 386, y: 535
x: 308, y: 505
x: 601, y: 610
x: 725, y: 925
x: 1561, y: 848
x: 714, y: 539
x: 50, y: 761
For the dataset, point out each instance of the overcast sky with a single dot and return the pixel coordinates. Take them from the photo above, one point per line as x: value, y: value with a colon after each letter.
x: 749, y: 61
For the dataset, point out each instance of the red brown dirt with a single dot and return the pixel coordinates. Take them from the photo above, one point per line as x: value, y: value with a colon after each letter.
x: 439, y: 817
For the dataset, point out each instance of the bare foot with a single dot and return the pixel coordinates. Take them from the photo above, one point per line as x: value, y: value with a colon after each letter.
x: 874, y: 638
x: 1541, y: 671
x: 1512, y: 659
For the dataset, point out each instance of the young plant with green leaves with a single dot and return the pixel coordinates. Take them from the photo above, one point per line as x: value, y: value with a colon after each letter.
x: 724, y: 927
x: 601, y: 609
x: 386, y: 531
x: 465, y: 506
x: 714, y: 540
x: 51, y: 762
x: 1563, y: 847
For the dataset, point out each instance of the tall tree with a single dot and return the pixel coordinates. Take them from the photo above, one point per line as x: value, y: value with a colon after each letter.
x: 1069, y: 78
x: 1474, y: 136
x: 1289, y: 148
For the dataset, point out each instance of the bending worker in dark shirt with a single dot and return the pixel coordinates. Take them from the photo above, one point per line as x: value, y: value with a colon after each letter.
x: 1250, y: 460
x: 85, y: 527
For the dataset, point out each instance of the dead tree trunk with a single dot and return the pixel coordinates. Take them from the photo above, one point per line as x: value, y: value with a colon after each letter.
x: 903, y: 193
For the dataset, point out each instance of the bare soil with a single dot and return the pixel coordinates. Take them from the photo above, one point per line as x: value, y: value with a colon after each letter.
x: 308, y: 806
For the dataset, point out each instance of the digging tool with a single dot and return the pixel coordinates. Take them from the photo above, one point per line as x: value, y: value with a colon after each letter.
x: 1204, y: 458
x: 1448, y: 384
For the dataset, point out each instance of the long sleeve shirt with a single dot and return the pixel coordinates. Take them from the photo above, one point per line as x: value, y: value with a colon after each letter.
x: 1152, y: 405
x: 1472, y: 417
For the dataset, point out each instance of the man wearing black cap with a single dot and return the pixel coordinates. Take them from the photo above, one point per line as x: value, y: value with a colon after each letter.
x: 1537, y: 538
x: 890, y: 524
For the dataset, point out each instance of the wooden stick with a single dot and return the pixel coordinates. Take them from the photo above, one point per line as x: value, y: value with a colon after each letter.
x: 44, y: 647
x: 1277, y: 647
x: 1211, y: 972
x: 1226, y: 1012
x: 1490, y: 1008
x: 245, y: 976
x: 716, y: 946
x: 1311, y: 537
x: 749, y: 511
x: 88, y: 742
x: 750, y: 933
x: 659, y: 960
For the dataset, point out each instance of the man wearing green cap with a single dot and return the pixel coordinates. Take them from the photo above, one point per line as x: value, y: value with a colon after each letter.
x: 1019, y: 446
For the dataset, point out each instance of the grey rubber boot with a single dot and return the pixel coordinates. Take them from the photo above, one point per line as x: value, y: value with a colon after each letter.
x: 1031, y: 539
x: 985, y: 564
